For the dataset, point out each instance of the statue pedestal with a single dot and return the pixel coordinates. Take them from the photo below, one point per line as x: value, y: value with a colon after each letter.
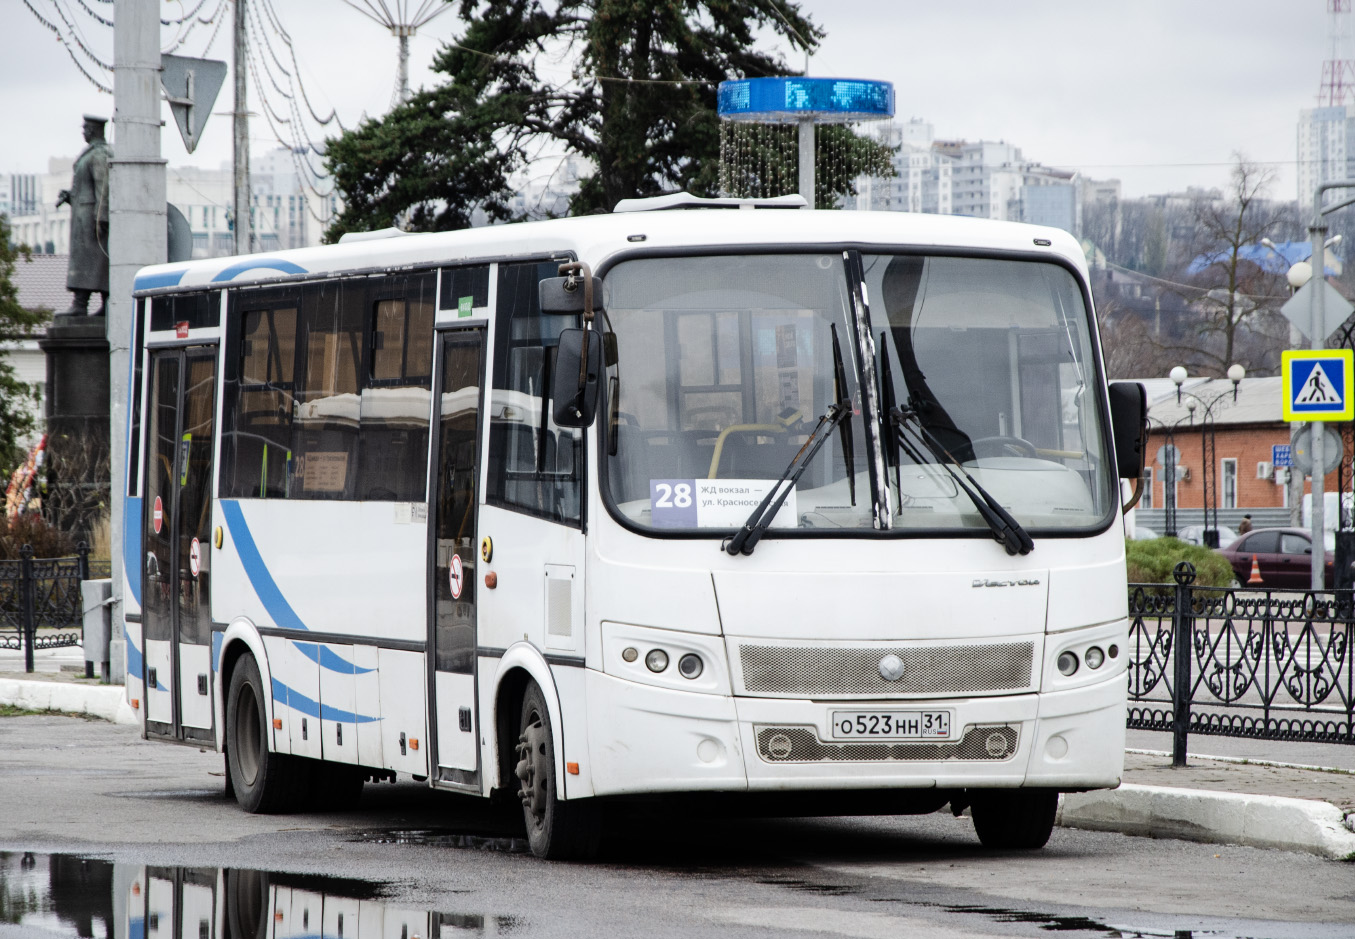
x: 77, y: 422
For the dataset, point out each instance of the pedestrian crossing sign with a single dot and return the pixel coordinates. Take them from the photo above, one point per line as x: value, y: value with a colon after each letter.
x: 1318, y: 384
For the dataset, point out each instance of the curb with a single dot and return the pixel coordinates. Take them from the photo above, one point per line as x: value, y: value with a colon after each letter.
x: 1305, y: 825
x: 105, y: 702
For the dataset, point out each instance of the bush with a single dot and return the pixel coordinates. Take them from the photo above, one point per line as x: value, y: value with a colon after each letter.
x: 32, y: 529
x: 1152, y: 561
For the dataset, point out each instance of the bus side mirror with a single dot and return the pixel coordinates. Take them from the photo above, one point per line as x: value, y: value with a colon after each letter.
x: 565, y: 295
x: 574, y: 391
x: 1129, y: 427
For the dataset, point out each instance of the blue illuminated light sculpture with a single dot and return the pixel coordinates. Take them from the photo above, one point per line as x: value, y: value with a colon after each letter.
x: 805, y: 102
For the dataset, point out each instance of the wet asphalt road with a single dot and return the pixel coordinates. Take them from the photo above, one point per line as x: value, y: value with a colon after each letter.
x: 69, y: 786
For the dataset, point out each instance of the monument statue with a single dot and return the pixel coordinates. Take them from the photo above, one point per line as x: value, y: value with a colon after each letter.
x: 87, y: 271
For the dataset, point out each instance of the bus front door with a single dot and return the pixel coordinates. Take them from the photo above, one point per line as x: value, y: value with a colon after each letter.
x: 454, y: 549
x: 176, y: 544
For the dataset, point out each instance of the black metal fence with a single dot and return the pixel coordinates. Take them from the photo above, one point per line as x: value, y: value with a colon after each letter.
x: 40, y: 602
x: 1272, y: 664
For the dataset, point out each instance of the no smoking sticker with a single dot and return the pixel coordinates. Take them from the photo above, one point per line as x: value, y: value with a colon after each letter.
x: 195, y: 557
x: 158, y: 515
x: 456, y: 576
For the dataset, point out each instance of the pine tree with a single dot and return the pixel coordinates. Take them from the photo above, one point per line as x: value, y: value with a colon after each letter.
x: 16, y: 323
x: 627, y: 84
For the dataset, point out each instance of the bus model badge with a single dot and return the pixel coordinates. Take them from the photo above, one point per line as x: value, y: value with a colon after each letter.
x: 891, y: 667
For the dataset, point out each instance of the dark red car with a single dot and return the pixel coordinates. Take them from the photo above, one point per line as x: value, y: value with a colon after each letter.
x: 1284, y: 557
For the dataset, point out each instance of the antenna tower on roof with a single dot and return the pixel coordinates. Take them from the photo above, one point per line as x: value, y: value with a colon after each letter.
x: 1338, y: 71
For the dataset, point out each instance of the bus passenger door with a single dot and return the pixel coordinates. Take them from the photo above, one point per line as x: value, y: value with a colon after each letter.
x: 454, y: 548
x: 176, y: 547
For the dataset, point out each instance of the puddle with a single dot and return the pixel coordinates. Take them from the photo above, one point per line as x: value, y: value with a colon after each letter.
x: 442, y: 838
x: 65, y: 895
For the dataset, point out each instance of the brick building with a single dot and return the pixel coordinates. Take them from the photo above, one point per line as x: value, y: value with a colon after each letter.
x: 1245, y: 431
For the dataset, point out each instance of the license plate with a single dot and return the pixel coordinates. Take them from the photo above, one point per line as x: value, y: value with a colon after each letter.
x: 891, y: 725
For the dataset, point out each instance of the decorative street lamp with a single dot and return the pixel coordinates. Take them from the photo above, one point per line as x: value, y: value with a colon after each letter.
x: 1208, y: 443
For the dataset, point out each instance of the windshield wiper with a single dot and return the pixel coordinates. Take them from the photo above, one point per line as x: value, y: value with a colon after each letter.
x: 747, y: 537
x: 1007, y: 531
x: 840, y: 390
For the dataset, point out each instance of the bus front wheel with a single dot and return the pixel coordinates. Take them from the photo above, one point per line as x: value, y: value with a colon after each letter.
x: 556, y: 829
x: 1014, y: 819
x: 264, y: 781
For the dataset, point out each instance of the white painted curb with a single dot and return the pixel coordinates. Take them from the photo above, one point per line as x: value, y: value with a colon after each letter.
x: 106, y: 702
x: 1221, y: 817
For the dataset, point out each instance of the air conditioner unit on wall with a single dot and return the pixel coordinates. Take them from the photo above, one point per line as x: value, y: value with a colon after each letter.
x: 1265, y: 470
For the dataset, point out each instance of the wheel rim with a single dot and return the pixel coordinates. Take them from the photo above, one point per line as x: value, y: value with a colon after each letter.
x: 532, y: 770
x: 248, y: 736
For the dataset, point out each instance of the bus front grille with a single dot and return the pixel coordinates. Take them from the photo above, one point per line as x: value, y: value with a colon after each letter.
x: 815, y: 670
x: 802, y: 745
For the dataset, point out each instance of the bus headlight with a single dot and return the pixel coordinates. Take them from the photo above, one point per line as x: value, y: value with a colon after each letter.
x: 656, y: 660
x: 1067, y: 663
x: 1094, y: 657
x: 690, y: 666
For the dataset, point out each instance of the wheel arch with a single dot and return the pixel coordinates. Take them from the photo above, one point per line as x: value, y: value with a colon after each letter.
x: 520, y: 664
x: 240, y: 638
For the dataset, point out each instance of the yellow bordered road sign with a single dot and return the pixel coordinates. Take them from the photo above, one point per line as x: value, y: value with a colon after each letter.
x: 1318, y: 384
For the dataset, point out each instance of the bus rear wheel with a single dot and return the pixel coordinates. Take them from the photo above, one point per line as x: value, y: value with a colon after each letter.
x: 1014, y: 819
x: 264, y: 781
x: 556, y: 829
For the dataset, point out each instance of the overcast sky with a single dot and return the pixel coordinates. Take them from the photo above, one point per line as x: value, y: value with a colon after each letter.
x: 1156, y: 93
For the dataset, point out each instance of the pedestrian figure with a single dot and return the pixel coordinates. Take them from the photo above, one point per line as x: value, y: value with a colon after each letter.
x: 1245, y: 526
x: 1317, y: 393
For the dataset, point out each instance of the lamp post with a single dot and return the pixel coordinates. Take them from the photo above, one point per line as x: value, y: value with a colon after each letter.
x: 1168, y: 472
x: 1208, y: 442
x: 1317, y: 231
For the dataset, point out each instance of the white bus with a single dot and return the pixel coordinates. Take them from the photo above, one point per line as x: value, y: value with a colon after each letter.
x: 386, y: 515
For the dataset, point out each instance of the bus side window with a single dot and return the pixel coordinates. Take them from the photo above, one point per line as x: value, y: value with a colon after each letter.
x: 534, y: 466
x: 261, y: 425
x: 325, y: 434
x: 397, y: 399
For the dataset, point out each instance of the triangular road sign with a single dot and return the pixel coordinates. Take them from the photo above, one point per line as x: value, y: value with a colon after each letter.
x: 191, y: 87
x: 1318, y: 384
x: 1317, y: 388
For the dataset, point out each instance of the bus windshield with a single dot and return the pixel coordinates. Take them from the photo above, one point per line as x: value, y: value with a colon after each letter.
x: 978, y: 368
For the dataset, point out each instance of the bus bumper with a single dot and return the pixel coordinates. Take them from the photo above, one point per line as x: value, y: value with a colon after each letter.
x: 647, y: 739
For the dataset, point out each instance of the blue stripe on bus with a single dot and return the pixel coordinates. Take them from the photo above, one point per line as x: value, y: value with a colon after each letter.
x: 327, y: 658
x: 256, y: 570
x: 152, y: 281
x: 134, y: 664
x: 276, y: 264
x: 131, y: 545
x: 311, y: 708
x: 216, y: 650
x: 136, y: 928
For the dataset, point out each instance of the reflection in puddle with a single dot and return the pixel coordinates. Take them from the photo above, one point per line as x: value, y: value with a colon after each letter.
x: 96, y: 899
x: 440, y: 838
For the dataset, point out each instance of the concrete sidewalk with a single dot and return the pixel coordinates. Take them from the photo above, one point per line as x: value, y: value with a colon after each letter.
x: 1224, y: 800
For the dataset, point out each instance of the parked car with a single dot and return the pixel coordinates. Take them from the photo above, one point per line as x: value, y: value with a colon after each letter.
x: 1194, y: 534
x: 1283, y: 557
x: 1143, y: 534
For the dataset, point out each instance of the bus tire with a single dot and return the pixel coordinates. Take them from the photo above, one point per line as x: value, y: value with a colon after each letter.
x: 264, y: 781
x: 1014, y: 819
x: 246, y: 904
x: 556, y: 829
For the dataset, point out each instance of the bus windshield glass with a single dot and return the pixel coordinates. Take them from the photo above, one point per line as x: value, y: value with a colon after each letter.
x: 992, y: 361
x: 725, y: 364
